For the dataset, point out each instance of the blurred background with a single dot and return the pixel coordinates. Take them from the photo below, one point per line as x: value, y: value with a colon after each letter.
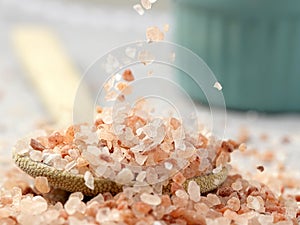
x: 68, y: 35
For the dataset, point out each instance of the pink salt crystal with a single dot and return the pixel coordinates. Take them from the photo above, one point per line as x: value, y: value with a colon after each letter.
x: 182, y: 194
x: 99, y: 199
x: 93, y: 150
x: 140, y: 159
x: 230, y: 214
x: 141, y: 176
x: 59, y: 163
x: 145, y: 57
x: 51, y: 215
x: 237, y: 185
x: 74, y: 221
x: 36, y: 155
x: 194, y: 191
x: 33, y: 206
x: 218, y: 86
x: 138, y: 8
x: 130, y: 52
x: 73, y: 205
x: 146, y: 4
x: 217, y: 169
x: 5, y: 212
x: 168, y: 165
x: 201, y: 208
x: 73, y: 153
x: 234, y: 204
x: 151, y: 176
x: 213, y: 199
x: 102, y: 215
x: 219, y: 221
x: 125, y: 176
x: 7, y: 221
x: 89, y: 180
x: 41, y: 184
x: 166, y: 28
x: 77, y: 195
x: 255, y: 202
x: 70, y: 165
x: 179, y: 178
x: 243, y: 147
x: 152, y: 1
x: 150, y: 199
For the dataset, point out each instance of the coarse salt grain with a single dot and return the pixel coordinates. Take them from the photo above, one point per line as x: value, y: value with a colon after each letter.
x: 125, y: 176
x: 33, y: 206
x: 218, y: 86
x: 194, y: 191
x: 166, y: 28
x: 217, y: 169
x: 168, y: 165
x: 234, y: 204
x: 213, y: 199
x: 154, y: 34
x: 255, y: 202
x: 41, y: 184
x: 89, y: 180
x: 130, y: 52
x: 242, y: 147
x: 146, y: 4
x: 182, y: 194
x: 138, y: 8
x: 237, y: 185
x: 74, y: 204
x: 150, y: 199
x: 36, y: 155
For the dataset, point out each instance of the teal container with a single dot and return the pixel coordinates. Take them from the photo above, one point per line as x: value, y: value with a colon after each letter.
x: 252, y: 46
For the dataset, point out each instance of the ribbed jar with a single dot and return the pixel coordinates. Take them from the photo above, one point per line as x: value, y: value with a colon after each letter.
x: 252, y: 46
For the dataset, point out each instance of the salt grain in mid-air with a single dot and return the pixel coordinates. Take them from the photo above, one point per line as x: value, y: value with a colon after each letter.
x: 218, y: 86
x: 138, y: 8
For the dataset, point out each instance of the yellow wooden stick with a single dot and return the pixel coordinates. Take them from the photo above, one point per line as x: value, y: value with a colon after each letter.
x: 51, y: 71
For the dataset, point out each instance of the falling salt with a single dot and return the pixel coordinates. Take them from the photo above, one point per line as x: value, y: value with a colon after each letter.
x: 89, y: 180
x: 145, y: 57
x: 166, y: 28
x: 194, y: 191
x: 138, y: 8
x: 150, y: 199
x: 125, y: 176
x: 146, y: 4
x: 112, y: 63
x: 218, y: 86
